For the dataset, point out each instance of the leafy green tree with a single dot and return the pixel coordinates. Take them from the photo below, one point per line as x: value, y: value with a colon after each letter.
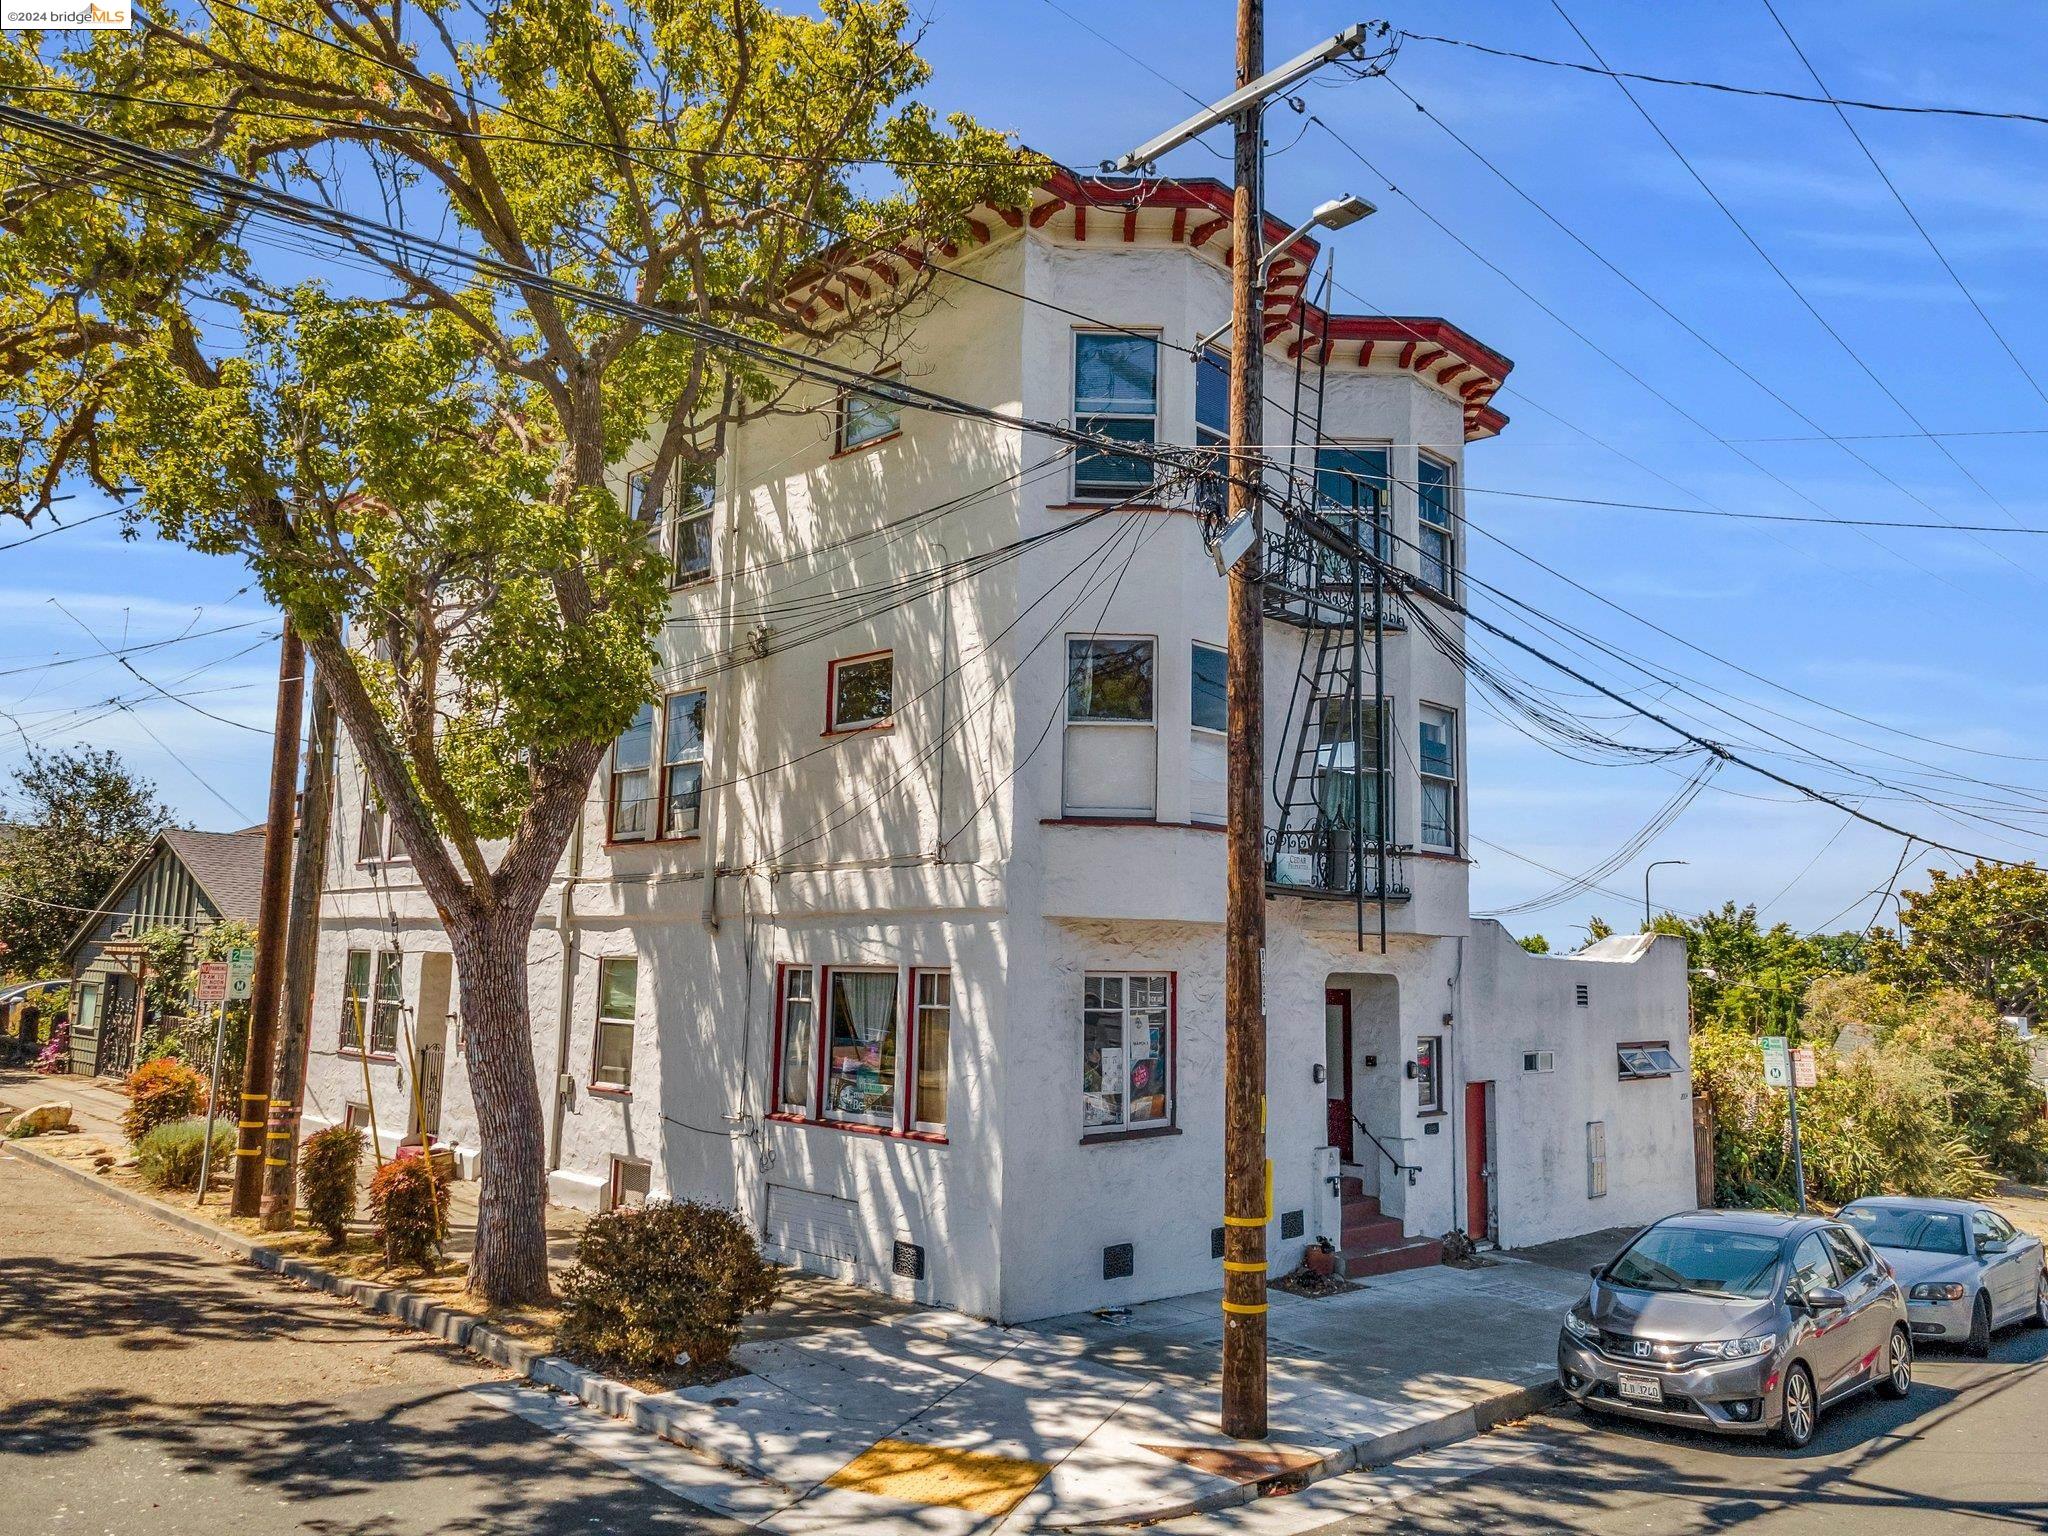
x: 74, y: 821
x: 422, y: 472
x: 1984, y: 932
x: 1535, y: 943
x: 1746, y: 974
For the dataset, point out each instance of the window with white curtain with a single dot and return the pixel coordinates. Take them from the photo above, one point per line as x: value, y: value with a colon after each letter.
x: 861, y: 1033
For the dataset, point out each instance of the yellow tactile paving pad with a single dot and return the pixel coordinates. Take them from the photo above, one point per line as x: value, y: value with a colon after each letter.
x: 938, y: 1474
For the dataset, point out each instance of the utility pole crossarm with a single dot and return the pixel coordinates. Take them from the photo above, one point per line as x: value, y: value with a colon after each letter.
x: 1350, y: 41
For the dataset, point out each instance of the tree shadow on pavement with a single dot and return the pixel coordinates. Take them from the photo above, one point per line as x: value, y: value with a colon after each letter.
x: 387, y: 1461
x: 152, y: 1300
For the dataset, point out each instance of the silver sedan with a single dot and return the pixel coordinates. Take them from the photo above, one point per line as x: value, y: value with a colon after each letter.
x: 1965, y: 1269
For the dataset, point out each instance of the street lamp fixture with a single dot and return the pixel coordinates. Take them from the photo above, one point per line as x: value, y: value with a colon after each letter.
x: 1646, y: 886
x: 1338, y: 213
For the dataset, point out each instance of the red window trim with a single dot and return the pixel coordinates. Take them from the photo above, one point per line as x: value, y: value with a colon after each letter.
x: 607, y: 1090
x: 1171, y: 1125
x: 832, y: 725
x: 903, y: 1126
x: 656, y: 772
x: 912, y: 1032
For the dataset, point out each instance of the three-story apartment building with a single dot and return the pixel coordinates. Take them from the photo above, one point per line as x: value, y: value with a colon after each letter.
x: 896, y: 921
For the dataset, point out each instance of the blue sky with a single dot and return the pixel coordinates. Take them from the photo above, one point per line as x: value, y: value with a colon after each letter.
x: 1927, y: 633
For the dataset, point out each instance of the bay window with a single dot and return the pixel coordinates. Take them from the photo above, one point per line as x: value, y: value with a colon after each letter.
x: 1437, y: 758
x: 673, y: 738
x: 1436, y: 525
x: 1126, y: 1052
x: 1111, y: 755
x: 1116, y: 395
x: 850, y: 1053
x: 1351, y: 492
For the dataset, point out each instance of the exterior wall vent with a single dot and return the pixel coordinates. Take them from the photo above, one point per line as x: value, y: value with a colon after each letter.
x: 1539, y: 1061
x: 1119, y: 1261
x: 1290, y: 1224
x: 1585, y: 995
x: 907, y: 1262
x: 1215, y: 1242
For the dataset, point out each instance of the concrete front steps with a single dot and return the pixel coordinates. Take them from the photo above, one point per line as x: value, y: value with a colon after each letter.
x: 1374, y: 1244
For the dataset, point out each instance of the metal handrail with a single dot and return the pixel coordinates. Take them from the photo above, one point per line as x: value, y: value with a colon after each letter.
x: 1399, y: 1166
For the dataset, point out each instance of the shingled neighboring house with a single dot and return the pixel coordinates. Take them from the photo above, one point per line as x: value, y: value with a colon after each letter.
x: 184, y: 879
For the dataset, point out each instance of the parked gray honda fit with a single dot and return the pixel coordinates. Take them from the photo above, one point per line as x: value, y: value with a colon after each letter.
x: 1739, y: 1321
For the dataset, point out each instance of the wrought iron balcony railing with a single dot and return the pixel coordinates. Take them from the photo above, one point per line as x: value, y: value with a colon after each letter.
x: 1324, y: 860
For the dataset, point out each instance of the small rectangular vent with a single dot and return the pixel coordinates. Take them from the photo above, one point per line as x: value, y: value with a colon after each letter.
x: 1215, y: 1242
x: 1119, y: 1261
x: 1585, y: 995
x: 908, y: 1262
x: 1290, y: 1224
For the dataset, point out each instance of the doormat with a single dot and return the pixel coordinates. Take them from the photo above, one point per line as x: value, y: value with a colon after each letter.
x: 937, y: 1474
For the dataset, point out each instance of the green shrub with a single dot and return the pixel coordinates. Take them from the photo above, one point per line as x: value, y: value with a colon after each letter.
x: 655, y: 1282
x: 158, y: 1093
x: 410, y: 1208
x: 327, y: 1179
x: 168, y: 1156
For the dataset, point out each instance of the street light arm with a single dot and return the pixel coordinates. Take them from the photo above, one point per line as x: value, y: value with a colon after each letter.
x: 1351, y: 40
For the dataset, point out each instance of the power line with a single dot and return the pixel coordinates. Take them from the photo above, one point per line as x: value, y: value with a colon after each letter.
x: 1838, y: 102
x: 1791, y: 287
x: 56, y: 527
x: 1695, y: 332
x: 1906, y: 208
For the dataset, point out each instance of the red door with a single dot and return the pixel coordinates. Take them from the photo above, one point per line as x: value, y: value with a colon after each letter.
x: 1337, y: 1063
x: 1478, y: 1161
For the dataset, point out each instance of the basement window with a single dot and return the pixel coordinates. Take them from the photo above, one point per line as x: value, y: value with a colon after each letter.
x: 1648, y: 1058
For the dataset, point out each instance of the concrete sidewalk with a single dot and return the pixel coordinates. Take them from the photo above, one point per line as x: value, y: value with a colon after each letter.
x: 948, y: 1425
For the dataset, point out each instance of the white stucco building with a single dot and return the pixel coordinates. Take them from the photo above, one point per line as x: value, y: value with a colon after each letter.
x: 897, y: 923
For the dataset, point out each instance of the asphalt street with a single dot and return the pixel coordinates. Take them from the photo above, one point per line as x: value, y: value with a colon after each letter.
x: 149, y: 1385
x: 1962, y: 1453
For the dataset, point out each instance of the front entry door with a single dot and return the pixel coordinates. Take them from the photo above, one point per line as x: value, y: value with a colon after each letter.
x: 1337, y: 1064
x: 1478, y: 1164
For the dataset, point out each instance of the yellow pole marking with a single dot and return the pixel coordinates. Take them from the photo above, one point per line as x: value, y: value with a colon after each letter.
x: 1241, y: 1309
x: 1243, y: 1267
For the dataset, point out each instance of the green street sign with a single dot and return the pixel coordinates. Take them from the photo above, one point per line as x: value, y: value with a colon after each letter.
x: 241, y: 973
x: 1777, y: 1062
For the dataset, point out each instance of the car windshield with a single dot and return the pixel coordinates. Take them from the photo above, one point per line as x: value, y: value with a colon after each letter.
x: 1891, y: 1226
x: 1698, y: 1259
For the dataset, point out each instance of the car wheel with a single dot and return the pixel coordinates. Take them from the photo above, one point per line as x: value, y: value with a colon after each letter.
x: 2038, y: 1318
x: 1897, y: 1380
x: 1802, y: 1410
x: 1979, y: 1342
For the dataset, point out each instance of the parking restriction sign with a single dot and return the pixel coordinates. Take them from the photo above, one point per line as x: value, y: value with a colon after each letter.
x: 213, y: 981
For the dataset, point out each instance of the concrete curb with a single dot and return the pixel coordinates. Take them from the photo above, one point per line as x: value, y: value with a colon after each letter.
x: 1463, y: 1423
x: 612, y: 1398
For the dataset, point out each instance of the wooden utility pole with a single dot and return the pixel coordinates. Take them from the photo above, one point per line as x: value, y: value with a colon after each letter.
x: 1244, y: 1005
x: 251, y: 1123
x: 301, y: 954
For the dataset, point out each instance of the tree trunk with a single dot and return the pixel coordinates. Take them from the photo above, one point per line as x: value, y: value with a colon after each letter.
x: 510, y: 1262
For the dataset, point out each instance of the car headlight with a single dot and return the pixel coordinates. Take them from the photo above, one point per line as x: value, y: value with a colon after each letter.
x: 1937, y: 1290
x: 1740, y: 1349
x: 1579, y: 1328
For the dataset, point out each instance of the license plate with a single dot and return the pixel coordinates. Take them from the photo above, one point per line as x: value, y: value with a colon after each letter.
x: 1641, y: 1389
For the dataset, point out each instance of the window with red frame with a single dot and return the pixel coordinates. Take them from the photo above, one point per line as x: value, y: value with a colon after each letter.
x: 851, y: 1053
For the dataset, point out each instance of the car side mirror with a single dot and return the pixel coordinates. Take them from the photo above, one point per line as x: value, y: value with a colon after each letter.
x: 1992, y: 1248
x: 1598, y: 1270
x: 1823, y: 1298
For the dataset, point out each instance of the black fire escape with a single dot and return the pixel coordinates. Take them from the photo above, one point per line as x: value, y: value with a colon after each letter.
x: 1334, y: 790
